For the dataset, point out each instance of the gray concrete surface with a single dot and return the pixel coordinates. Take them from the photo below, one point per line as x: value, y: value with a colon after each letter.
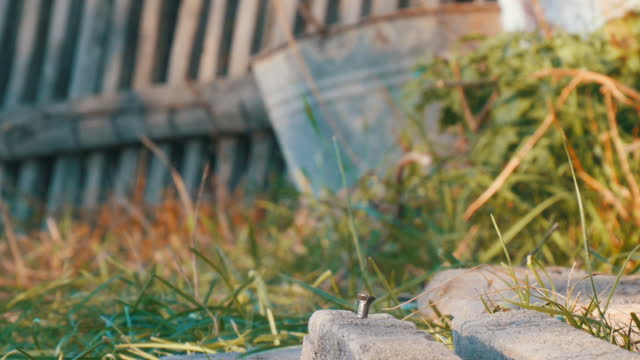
x: 339, y: 334
x: 458, y: 292
x: 528, y: 335
x: 619, y: 317
x: 620, y: 314
x: 289, y: 353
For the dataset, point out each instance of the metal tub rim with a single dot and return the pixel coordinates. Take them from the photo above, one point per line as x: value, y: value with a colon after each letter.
x: 338, y: 29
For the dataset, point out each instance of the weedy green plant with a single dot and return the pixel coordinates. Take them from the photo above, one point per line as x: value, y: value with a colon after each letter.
x: 510, y: 101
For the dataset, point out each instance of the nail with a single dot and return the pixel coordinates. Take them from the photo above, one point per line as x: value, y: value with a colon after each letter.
x: 364, y: 302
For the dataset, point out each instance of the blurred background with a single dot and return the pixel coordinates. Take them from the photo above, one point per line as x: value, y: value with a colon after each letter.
x: 82, y: 82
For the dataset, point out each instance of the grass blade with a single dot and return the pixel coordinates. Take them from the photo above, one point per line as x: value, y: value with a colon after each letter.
x: 518, y: 226
x: 352, y: 225
x: 583, y: 226
x: 323, y: 294
x: 311, y: 116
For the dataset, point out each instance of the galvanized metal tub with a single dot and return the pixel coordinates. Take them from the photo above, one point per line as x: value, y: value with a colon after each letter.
x: 351, y: 80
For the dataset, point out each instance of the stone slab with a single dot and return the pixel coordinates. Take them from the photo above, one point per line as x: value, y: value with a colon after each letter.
x: 289, y: 353
x: 619, y: 317
x: 620, y: 314
x: 340, y: 335
x: 528, y: 335
x: 458, y: 292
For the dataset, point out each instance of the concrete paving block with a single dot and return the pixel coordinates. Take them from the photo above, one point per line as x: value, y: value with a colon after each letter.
x: 288, y: 353
x: 620, y: 314
x: 340, y: 335
x: 458, y: 292
x: 528, y: 335
x: 619, y: 317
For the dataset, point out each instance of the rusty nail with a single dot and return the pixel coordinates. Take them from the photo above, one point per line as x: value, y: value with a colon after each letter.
x: 364, y: 302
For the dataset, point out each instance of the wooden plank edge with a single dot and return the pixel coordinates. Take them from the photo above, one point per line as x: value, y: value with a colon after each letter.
x: 228, y: 106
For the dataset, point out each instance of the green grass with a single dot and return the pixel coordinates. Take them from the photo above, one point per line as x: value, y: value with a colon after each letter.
x: 142, y: 301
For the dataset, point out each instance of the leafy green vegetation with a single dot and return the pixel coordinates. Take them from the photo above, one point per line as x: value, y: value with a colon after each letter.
x: 513, y: 101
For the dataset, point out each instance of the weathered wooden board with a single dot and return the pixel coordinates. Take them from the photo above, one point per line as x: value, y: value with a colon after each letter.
x: 193, y: 164
x: 195, y: 150
x: 85, y: 77
x: 126, y: 171
x: 19, y: 81
x: 282, y: 14
x: 114, y: 54
x: 319, y: 13
x: 383, y: 7
x: 63, y: 186
x: 350, y: 11
x: 178, y: 74
x: 212, y: 41
x: 25, y: 50
x: 94, y: 180
x: 147, y: 57
x: 4, y: 15
x: 263, y: 145
x: 226, y: 149
x: 280, y: 21
x: 426, y: 3
x: 159, y: 174
x: 55, y: 51
x: 221, y: 107
x: 158, y: 124
x: 184, y: 40
x: 116, y: 46
x: 242, y: 35
x: 84, y: 81
x: 29, y: 180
